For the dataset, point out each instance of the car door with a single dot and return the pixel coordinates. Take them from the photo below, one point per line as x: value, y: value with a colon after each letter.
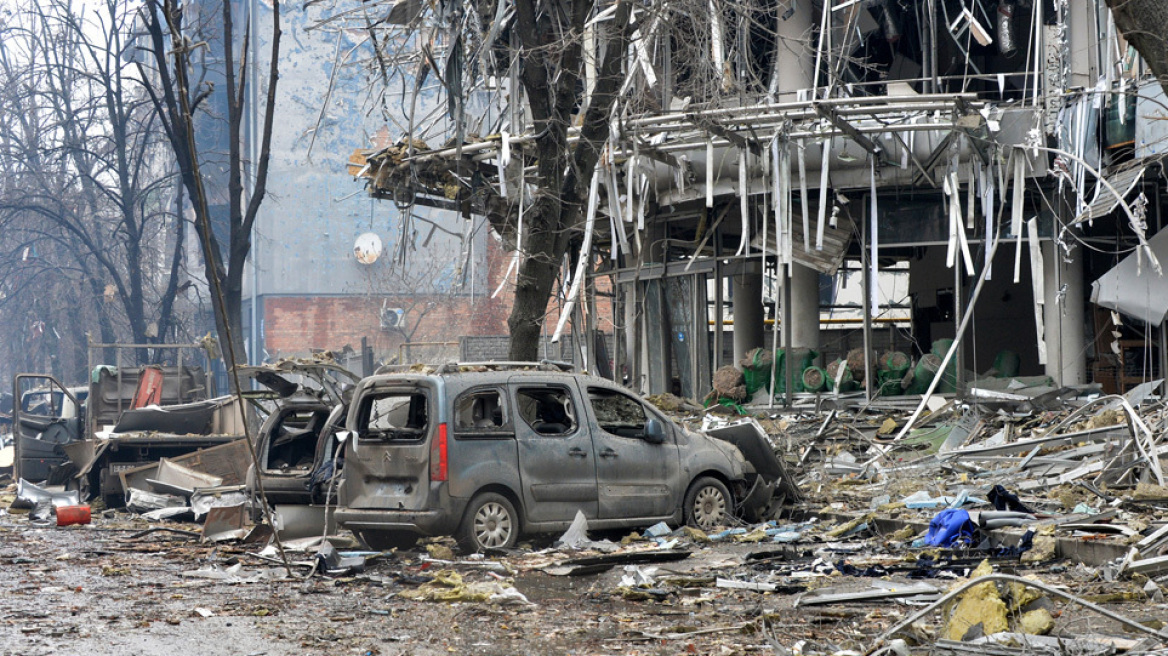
x: 45, y: 418
x: 387, y: 460
x: 557, y: 465
x: 635, y: 476
x: 330, y: 460
x: 287, y: 447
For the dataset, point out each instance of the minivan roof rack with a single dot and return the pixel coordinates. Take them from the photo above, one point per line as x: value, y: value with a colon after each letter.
x: 543, y: 365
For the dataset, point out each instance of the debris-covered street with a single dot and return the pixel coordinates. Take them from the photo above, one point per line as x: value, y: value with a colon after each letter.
x: 1063, y: 498
x: 792, y: 327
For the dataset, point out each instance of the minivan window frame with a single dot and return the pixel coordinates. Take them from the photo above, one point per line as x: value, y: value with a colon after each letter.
x: 520, y: 388
x: 367, y: 400
x: 648, y: 411
x: 505, y: 431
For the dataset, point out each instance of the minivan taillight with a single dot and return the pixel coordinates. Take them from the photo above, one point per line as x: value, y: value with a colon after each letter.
x: 438, y: 455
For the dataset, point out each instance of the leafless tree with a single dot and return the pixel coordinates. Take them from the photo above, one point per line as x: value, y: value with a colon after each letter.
x: 87, y: 179
x: 177, y: 34
x: 548, y: 60
x: 1140, y: 22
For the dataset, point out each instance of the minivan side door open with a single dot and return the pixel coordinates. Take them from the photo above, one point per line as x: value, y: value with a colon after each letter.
x: 557, y: 464
x: 637, y: 467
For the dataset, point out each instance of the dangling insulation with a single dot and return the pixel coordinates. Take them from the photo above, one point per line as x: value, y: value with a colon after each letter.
x: 803, y: 196
x: 709, y: 173
x: 874, y: 243
x: 823, y: 181
x: 743, y: 203
x: 1016, y: 212
x: 583, y: 259
x: 1036, y: 281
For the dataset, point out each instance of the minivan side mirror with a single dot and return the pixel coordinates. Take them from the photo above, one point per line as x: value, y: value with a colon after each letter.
x: 654, y: 432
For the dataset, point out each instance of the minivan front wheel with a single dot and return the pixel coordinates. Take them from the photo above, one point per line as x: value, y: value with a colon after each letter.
x: 708, y: 503
x: 490, y: 523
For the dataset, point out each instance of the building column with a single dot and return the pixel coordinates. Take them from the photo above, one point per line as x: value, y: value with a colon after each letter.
x: 1062, y: 316
x: 804, y: 283
x: 795, y: 71
x: 1080, y: 43
x: 748, y: 319
x: 796, y: 52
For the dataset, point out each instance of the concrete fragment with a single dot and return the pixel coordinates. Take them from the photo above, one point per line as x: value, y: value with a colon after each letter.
x: 1153, y: 592
x: 979, y: 611
x: 1036, y: 622
x: 745, y: 585
x: 1149, y: 566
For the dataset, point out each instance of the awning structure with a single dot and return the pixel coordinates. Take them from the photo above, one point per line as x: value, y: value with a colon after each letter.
x: 1105, y: 202
x: 1133, y: 288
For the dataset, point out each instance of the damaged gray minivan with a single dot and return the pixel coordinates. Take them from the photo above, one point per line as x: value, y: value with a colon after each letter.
x: 488, y: 456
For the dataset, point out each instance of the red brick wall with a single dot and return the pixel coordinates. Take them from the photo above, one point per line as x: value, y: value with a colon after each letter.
x: 298, y: 325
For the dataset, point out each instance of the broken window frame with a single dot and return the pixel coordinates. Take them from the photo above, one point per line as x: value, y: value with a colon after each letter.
x: 503, y: 430
x: 403, y: 434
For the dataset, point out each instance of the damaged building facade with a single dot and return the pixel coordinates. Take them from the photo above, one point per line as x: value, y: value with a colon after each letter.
x: 974, y: 184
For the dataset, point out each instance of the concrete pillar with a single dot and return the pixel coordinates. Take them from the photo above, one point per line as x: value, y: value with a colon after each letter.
x: 796, y: 70
x: 748, y: 319
x: 1081, y: 44
x: 804, y: 307
x: 796, y: 49
x: 1062, y: 316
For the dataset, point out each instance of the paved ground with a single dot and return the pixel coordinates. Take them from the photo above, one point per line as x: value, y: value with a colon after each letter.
x: 92, y: 590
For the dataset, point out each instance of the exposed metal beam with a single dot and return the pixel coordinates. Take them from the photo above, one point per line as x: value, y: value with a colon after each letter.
x: 727, y: 134
x: 936, y: 154
x: 840, y: 124
x: 916, y: 162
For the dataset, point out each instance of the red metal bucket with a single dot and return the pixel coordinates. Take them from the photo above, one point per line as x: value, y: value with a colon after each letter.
x: 69, y: 515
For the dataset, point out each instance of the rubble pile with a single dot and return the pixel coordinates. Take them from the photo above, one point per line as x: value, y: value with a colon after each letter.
x: 1021, y: 519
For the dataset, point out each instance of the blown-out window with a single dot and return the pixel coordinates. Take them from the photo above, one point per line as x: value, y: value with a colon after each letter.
x: 548, y: 410
x: 617, y: 413
x: 395, y: 416
x: 481, y: 412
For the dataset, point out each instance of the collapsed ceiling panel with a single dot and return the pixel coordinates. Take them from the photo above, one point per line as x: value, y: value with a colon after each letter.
x: 828, y: 260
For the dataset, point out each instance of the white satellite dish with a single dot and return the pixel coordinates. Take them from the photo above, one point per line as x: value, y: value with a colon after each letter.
x: 367, y: 248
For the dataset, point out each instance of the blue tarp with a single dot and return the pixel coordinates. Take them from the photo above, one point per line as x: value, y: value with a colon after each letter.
x: 950, y: 527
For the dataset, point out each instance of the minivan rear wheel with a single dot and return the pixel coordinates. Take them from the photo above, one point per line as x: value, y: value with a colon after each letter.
x: 708, y: 503
x: 490, y: 522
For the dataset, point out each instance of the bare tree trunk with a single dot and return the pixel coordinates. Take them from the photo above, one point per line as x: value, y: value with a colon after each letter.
x: 103, y: 320
x: 166, y: 314
x: 1140, y: 22
x: 177, y: 101
x: 564, y: 174
x: 536, y: 277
